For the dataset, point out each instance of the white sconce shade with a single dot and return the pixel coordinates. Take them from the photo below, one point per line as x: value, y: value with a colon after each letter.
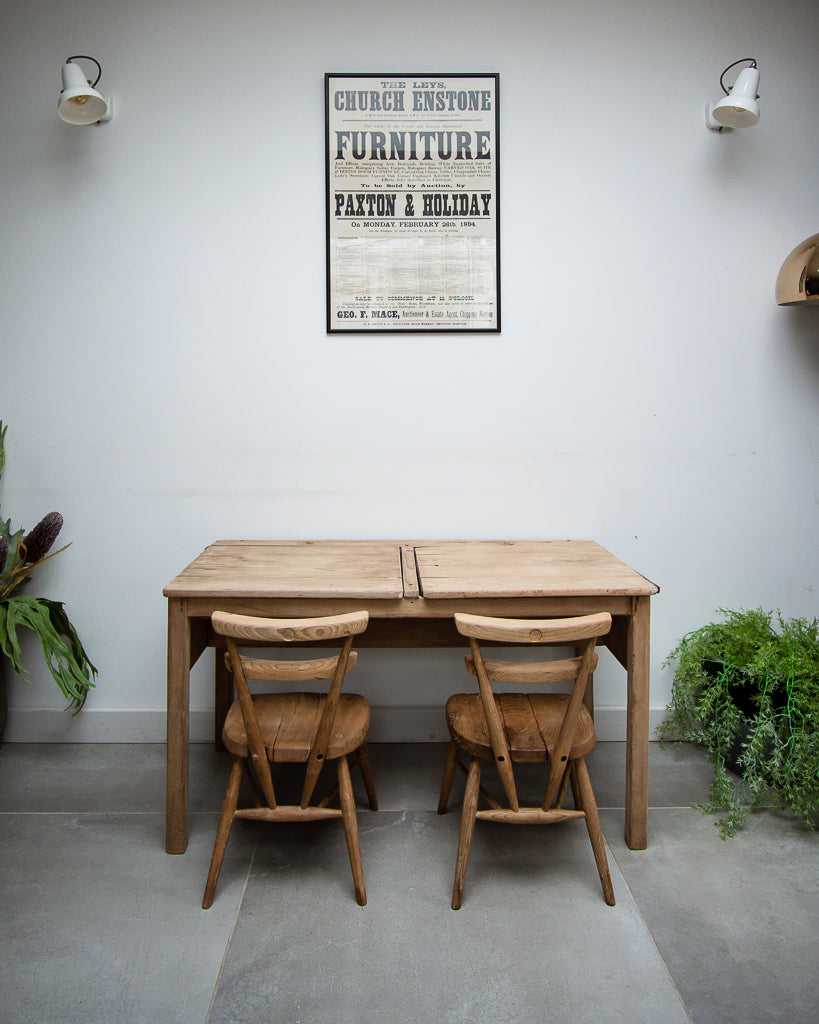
x: 79, y: 101
x: 739, y: 108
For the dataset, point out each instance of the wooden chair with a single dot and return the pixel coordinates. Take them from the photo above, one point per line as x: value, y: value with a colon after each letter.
x: 293, y: 728
x: 545, y: 728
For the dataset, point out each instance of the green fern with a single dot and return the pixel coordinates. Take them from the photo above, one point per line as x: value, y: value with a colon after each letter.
x: 747, y: 690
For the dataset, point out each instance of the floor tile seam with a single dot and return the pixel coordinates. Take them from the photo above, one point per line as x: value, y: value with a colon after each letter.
x: 233, y: 927
x: 397, y: 809
x: 648, y: 930
x: 118, y: 813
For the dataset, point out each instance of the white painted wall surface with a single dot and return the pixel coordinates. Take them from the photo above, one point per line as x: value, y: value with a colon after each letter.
x: 167, y: 379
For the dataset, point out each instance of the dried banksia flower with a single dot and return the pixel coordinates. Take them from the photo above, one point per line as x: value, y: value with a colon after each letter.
x: 4, y: 551
x: 37, y: 543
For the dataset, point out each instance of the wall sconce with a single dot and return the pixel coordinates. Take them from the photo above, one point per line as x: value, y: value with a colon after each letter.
x: 798, y: 280
x: 79, y: 101
x: 739, y: 108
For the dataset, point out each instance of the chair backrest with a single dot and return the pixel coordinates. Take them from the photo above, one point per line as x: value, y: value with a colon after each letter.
x: 580, y: 632
x: 247, y: 630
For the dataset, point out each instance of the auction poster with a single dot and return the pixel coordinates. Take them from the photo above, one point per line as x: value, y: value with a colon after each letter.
x: 412, y: 189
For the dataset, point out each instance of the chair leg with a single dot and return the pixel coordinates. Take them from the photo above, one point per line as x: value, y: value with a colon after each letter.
x: 589, y: 807
x: 345, y: 791
x: 578, y: 802
x: 449, y: 775
x: 467, y: 829
x: 367, y: 775
x: 258, y: 796
x: 561, y: 793
x: 223, y: 830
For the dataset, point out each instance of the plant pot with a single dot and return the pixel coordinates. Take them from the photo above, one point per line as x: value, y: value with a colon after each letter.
x: 744, y: 693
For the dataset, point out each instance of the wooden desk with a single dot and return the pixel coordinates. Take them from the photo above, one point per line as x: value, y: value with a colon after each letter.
x: 411, y: 590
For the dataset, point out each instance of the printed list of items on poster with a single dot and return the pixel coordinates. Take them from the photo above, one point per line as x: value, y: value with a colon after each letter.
x: 412, y: 203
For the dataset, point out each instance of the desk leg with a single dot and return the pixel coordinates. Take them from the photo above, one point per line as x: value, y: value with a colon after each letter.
x: 637, y: 729
x: 179, y: 672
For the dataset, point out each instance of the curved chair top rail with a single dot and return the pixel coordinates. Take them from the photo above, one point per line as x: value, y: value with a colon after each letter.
x: 533, y: 631
x: 326, y: 627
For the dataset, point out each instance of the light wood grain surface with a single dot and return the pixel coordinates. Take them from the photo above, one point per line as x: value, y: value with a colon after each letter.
x: 456, y: 569
x: 391, y: 570
x: 308, y: 569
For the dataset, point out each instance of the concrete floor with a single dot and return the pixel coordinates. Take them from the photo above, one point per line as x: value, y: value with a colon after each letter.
x: 98, y: 924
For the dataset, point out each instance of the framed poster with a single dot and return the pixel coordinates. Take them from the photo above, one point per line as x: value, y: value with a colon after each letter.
x: 412, y: 189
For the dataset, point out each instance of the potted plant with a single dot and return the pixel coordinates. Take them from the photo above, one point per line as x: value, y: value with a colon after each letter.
x: 20, y: 554
x: 747, y: 689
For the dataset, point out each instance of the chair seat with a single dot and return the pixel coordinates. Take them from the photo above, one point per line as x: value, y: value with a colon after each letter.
x: 531, y: 723
x: 288, y: 723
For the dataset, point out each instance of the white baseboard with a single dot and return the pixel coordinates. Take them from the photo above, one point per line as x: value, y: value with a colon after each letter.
x: 147, y: 725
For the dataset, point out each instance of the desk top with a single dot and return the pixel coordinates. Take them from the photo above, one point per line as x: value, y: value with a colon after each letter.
x: 310, y: 569
x: 393, y: 570
x: 522, y: 568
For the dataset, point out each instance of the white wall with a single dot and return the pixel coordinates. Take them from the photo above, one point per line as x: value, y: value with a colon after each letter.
x: 167, y: 378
